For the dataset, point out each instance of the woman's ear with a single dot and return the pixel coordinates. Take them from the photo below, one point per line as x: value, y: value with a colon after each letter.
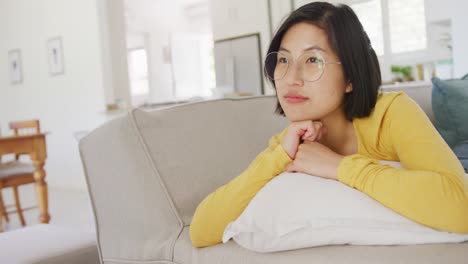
x: 349, y: 87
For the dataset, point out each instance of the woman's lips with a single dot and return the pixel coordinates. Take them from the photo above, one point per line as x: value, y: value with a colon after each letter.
x: 295, y: 99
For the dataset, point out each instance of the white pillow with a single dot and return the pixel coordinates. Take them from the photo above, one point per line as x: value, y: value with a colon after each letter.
x: 296, y: 210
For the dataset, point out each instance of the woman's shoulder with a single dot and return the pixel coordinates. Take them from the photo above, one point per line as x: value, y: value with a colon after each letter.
x: 388, y: 105
x: 388, y: 102
x: 396, y: 103
x: 375, y: 129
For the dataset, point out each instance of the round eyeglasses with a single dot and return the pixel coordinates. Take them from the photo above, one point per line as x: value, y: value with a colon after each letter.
x: 310, y: 64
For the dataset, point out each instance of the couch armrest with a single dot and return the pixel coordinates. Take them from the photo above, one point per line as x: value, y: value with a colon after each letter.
x: 134, y: 213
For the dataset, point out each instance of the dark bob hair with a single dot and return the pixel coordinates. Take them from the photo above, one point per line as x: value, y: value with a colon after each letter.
x: 350, y: 42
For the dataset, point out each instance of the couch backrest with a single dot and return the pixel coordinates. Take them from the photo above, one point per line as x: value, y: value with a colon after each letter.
x: 147, y: 171
x: 421, y: 93
x: 199, y: 147
x: 202, y: 146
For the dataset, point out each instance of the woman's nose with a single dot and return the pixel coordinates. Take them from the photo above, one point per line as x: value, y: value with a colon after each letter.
x: 294, y: 75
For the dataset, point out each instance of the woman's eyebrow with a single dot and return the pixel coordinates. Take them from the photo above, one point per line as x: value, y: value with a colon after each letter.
x: 315, y: 47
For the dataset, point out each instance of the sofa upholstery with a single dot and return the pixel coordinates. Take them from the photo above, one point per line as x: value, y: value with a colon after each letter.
x: 148, y: 171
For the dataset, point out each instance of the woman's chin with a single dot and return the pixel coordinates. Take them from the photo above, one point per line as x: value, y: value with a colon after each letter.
x: 298, y: 118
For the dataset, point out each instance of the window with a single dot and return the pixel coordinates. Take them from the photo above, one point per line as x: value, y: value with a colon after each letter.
x: 138, y: 72
x: 407, y: 25
x: 396, y: 28
x: 370, y: 15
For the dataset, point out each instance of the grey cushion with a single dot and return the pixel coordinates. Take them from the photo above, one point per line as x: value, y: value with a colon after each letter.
x: 15, y: 168
x: 450, y: 105
x: 206, y: 144
x: 461, y: 151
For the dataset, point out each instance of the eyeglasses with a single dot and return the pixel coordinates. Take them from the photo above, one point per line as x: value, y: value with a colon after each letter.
x: 310, y: 64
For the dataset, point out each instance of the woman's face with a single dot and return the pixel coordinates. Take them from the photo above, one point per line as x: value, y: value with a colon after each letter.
x: 300, y: 98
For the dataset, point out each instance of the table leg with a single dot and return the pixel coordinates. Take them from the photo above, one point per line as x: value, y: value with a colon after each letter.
x: 1, y: 211
x: 41, y: 191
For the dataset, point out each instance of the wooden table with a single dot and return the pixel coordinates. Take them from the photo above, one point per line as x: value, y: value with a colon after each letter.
x: 35, y: 146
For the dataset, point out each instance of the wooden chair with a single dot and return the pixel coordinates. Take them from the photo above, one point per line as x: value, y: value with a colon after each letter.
x: 16, y: 173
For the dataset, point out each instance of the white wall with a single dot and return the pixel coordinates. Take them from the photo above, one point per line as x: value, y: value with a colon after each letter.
x: 66, y: 103
x: 112, y: 36
x: 437, y: 10
x: 460, y: 39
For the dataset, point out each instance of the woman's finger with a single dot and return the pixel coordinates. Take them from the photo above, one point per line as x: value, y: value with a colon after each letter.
x: 318, y: 132
x: 308, y: 130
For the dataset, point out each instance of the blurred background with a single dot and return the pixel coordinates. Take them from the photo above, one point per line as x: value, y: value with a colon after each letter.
x: 77, y: 64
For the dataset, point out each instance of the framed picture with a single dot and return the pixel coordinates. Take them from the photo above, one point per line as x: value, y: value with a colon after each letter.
x: 55, y: 56
x: 16, y: 66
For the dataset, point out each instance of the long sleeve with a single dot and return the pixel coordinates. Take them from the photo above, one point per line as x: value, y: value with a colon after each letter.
x: 430, y: 189
x: 226, y: 203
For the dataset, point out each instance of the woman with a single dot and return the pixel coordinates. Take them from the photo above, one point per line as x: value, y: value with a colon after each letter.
x: 327, y: 78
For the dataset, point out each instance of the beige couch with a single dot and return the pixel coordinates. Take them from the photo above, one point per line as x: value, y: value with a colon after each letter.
x: 148, y: 171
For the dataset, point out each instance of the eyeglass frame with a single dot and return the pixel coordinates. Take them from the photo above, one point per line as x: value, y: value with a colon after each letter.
x: 294, y: 61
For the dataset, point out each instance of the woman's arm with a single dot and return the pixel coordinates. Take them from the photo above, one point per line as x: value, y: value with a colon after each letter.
x: 430, y: 189
x: 226, y: 203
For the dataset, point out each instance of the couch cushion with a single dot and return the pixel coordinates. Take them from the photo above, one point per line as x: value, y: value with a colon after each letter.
x: 450, y: 105
x: 200, y: 146
x: 461, y: 151
x: 231, y: 253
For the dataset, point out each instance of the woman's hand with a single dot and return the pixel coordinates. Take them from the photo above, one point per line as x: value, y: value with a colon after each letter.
x: 316, y: 159
x: 301, y: 131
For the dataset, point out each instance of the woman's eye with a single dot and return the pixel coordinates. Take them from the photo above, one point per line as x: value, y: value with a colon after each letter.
x: 282, y: 60
x: 312, y: 60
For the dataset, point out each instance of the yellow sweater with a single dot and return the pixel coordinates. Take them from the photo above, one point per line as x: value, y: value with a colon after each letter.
x: 430, y: 189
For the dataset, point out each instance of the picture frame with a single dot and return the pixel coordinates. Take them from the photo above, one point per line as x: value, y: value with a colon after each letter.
x: 15, y: 65
x: 55, y: 56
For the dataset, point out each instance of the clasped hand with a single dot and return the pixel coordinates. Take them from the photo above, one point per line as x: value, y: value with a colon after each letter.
x: 302, y: 143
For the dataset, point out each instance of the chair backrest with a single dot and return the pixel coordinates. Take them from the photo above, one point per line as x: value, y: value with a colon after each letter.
x: 26, y: 127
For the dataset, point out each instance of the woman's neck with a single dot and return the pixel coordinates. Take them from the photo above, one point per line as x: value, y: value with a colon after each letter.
x: 340, y: 136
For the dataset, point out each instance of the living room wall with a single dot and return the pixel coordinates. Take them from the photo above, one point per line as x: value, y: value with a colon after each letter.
x: 460, y: 39
x: 67, y: 103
